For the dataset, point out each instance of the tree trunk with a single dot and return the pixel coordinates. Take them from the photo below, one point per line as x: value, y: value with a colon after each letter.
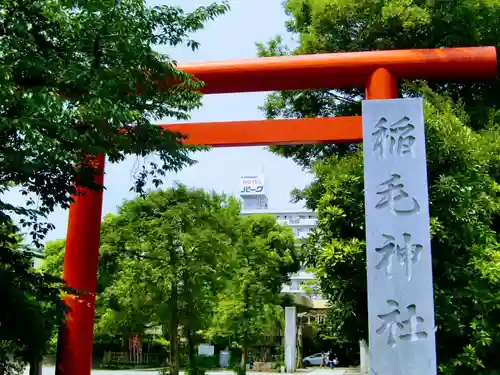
x: 246, y: 317
x: 299, y: 364
x: 191, y: 351
x: 244, y: 360
x: 35, y: 366
x: 188, y: 313
x: 173, y: 332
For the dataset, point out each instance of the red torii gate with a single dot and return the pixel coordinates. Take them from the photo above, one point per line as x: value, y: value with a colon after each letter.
x: 376, y: 71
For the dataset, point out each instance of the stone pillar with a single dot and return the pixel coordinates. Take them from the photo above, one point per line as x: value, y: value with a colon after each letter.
x: 363, y: 357
x: 398, y: 251
x: 290, y: 338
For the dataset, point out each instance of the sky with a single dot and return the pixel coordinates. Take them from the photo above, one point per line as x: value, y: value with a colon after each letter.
x: 231, y: 36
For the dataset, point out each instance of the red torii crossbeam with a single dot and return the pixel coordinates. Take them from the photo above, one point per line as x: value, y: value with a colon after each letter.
x: 376, y: 71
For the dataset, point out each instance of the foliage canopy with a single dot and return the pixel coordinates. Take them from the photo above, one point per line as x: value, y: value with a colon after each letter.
x: 249, y: 307
x: 185, y: 261
x: 80, y: 78
x: 325, y: 26
x: 462, y: 137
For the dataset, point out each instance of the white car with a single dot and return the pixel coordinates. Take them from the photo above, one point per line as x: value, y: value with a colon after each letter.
x: 318, y: 359
x: 314, y: 359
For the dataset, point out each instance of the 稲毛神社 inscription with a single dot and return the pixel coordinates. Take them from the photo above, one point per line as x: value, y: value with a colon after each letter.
x: 400, y: 292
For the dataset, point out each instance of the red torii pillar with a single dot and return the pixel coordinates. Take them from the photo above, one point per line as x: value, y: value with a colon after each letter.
x: 377, y: 71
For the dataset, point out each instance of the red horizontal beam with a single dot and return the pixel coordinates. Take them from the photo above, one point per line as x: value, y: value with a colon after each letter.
x: 271, y: 132
x: 340, y: 70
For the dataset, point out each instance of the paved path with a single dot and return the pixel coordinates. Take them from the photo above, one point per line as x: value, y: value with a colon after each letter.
x: 52, y: 371
x: 339, y: 371
x: 336, y: 371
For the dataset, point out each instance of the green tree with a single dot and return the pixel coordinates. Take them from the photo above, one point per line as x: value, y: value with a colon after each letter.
x: 82, y: 78
x: 464, y: 204
x: 249, y: 307
x: 178, y: 242
x: 53, y: 258
x: 32, y: 306
x: 325, y: 26
x: 108, y: 267
x: 462, y: 138
x: 109, y: 257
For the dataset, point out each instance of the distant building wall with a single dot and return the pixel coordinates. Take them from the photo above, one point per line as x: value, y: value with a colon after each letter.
x: 301, y: 221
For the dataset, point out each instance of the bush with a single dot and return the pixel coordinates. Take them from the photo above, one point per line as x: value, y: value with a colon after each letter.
x: 52, y: 346
x: 202, y: 364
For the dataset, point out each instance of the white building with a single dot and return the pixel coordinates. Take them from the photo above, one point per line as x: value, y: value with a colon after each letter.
x: 253, y: 194
x: 255, y: 201
x: 301, y: 222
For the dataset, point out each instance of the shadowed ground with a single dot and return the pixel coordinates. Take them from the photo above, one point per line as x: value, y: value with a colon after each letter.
x: 339, y: 371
